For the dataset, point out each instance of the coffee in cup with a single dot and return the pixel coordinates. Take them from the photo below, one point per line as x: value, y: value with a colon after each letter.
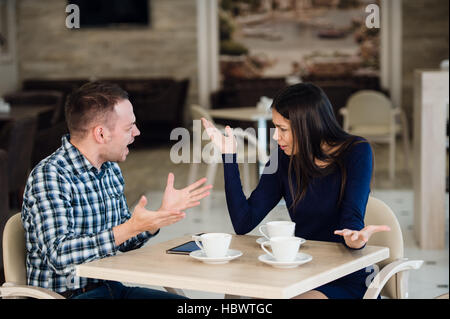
x: 277, y: 228
x: 214, y: 245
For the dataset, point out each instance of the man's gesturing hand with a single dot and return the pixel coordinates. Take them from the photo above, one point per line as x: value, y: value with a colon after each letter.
x: 181, y: 199
x: 143, y: 220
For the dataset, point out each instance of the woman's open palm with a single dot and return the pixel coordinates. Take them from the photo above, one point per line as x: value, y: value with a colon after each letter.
x: 225, y: 143
x: 357, y: 239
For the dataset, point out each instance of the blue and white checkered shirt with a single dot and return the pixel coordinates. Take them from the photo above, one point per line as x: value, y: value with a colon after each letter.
x: 68, y: 213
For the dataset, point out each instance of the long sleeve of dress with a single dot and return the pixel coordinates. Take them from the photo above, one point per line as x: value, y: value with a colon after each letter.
x: 357, y: 188
x: 245, y: 213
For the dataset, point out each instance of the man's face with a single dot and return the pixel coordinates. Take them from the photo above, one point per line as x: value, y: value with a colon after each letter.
x: 121, y: 132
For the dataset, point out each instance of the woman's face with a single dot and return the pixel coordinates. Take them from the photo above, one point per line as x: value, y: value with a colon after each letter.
x: 283, y: 133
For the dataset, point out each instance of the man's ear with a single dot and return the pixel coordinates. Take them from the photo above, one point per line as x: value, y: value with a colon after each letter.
x: 100, y: 134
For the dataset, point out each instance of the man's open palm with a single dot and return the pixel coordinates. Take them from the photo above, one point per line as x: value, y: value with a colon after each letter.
x: 181, y: 199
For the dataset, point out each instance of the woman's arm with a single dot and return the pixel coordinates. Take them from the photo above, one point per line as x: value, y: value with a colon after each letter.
x: 356, y: 194
x: 245, y: 213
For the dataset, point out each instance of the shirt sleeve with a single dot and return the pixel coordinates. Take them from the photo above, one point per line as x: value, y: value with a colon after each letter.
x: 138, y: 240
x: 48, y: 213
x: 357, y: 188
x: 245, y: 213
x: 125, y: 214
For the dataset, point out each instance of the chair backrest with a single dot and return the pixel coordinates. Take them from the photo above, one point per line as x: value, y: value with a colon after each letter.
x: 367, y: 107
x: 4, y: 204
x: 254, y: 152
x: 197, y: 112
x: 378, y: 213
x: 18, y: 137
x: 14, y: 251
x: 38, y: 98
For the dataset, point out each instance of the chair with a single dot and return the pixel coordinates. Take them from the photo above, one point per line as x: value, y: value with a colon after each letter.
x: 4, y: 203
x: 14, y: 257
x: 371, y: 114
x: 17, y: 138
x: 39, y: 98
x: 213, y: 158
x: 392, y: 279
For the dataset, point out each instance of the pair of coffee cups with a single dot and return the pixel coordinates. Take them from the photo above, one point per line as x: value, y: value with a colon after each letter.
x: 280, y: 235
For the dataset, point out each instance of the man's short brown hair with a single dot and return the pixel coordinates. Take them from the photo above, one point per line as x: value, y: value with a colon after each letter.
x: 92, y: 101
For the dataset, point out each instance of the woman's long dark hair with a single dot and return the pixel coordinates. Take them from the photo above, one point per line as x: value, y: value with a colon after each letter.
x: 313, y: 125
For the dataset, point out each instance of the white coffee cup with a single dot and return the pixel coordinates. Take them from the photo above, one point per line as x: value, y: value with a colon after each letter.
x: 214, y: 245
x: 284, y: 248
x: 277, y: 228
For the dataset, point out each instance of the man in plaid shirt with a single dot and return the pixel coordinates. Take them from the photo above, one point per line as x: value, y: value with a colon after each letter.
x: 74, y: 208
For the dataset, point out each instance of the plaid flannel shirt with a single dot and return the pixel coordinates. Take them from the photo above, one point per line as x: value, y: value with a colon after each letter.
x: 68, y: 213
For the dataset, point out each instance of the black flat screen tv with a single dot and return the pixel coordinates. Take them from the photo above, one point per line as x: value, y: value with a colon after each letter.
x: 104, y: 13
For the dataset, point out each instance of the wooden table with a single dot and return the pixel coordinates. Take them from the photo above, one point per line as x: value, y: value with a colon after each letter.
x: 244, y: 276
x: 252, y: 114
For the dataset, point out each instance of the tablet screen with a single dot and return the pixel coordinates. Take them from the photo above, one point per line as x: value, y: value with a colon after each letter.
x: 184, y: 249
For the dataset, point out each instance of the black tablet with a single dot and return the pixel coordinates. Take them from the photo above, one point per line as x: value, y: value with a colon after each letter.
x: 184, y: 249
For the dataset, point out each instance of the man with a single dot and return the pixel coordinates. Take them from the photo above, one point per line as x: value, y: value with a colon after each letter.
x: 74, y: 209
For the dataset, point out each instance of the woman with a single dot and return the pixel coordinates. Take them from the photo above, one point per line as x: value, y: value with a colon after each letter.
x: 323, y: 174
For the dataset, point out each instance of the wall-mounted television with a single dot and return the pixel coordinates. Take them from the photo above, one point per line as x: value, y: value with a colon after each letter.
x: 104, y: 13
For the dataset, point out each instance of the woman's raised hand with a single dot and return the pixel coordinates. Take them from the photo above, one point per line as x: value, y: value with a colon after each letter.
x: 225, y: 143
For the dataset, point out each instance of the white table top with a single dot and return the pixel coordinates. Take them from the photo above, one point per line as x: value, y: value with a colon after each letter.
x: 244, y: 276
x: 241, y: 113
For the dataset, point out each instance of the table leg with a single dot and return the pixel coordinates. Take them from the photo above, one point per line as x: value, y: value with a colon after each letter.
x: 262, y: 140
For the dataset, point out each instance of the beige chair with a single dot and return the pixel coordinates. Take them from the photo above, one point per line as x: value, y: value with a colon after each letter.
x: 371, y: 114
x: 392, y: 278
x: 248, y: 152
x: 14, y: 257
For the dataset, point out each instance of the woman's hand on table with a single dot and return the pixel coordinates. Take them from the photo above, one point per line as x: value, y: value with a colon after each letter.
x: 225, y: 143
x: 357, y: 239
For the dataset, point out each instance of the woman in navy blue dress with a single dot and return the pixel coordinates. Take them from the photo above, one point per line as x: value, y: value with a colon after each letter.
x: 323, y: 174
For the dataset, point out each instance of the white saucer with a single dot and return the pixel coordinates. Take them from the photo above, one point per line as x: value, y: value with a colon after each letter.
x: 231, y: 254
x: 261, y: 240
x: 301, y: 258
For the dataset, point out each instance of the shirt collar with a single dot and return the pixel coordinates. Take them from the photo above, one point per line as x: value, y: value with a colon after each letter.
x: 80, y: 163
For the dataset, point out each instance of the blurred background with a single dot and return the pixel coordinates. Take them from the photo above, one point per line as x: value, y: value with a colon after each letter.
x: 383, y: 65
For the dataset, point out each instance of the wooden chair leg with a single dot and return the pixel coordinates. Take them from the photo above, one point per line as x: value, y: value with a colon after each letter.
x: 392, y: 159
x: 406, y: 144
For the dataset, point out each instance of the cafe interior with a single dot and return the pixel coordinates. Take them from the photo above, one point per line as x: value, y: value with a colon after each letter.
x: 382, y: 63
